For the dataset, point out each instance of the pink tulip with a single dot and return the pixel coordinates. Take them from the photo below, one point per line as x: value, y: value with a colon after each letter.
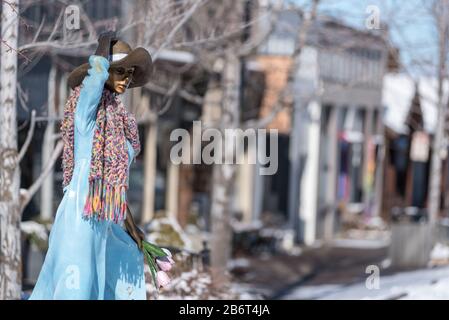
x: 162, y: 279
x: 167, y: 252
x: 163, y: 263
x: 169, y: 256
x: 170, y: 260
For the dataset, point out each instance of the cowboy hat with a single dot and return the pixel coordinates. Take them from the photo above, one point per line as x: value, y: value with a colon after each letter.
x: 122, y: 56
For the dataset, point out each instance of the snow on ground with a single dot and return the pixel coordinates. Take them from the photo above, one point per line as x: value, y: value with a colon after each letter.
x: 197, y: 285
x: 425, y: 284
x: 440, y: 252
x: 33, y: 227
x: 360, y: 243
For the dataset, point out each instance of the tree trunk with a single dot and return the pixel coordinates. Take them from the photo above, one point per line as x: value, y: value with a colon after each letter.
x: 48, y: 148
x: 172, y: 190
x: 150, y: 170
x: 185, y: 193
x: 435, y: 168
x: 224, y: 174
x: 10, y: 251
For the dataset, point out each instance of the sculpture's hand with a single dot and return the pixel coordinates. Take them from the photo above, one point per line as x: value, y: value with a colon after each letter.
x: 134, y: 231
x: 105, y: 40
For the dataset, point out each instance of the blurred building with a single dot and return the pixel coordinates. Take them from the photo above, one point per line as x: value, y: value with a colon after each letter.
x: 410, y: 121
x: 330, y: 164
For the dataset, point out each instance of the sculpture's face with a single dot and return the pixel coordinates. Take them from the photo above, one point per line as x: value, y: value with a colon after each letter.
x: 119, y: 79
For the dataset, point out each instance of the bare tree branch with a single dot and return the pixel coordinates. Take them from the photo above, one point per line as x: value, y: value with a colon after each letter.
x: 181, y: 23
x: 29, y: 137
x: 170, y: 95
x: 26, y: 195
x: 181, y: 92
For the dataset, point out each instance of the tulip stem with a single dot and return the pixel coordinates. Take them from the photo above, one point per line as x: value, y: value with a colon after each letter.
x: 152, y: 266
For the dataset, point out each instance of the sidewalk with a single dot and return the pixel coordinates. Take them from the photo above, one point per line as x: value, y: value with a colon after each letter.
x: 426, y: 284
x: 277, y: 276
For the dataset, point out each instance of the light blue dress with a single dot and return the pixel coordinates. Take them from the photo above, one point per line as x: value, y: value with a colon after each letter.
x: 89, y: 259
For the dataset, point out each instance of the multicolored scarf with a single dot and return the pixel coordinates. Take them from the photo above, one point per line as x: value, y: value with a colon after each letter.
x: 108, y: 176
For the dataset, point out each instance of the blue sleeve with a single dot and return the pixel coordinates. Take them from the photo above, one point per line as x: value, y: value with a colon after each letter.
x: 90, y: 95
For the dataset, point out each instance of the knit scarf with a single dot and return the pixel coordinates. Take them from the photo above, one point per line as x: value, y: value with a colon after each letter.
x: 108, y: 175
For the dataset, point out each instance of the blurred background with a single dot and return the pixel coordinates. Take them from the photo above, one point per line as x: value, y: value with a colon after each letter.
x: 354, y: 93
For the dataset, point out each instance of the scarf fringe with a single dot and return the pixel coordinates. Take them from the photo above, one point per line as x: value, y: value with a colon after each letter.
x: 105, y: 201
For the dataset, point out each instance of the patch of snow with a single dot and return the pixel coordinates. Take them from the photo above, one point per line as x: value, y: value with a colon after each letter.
x: 444, y: 222
x: 367, y: 234
x: 33, y: 227
x: 312, y: 292
x: 238, y: 263
x: 155, y: 225
x: 360, y: 243
x: 386, y: 263
x: 273, y: 232
x: 440, y: 252
x: 431, y: 283
x: 376, y: 222
x: 246, y: 226
x: 194, y: 285
x: 191, y: 228
x: 288, y: 240
x: 248, y: 292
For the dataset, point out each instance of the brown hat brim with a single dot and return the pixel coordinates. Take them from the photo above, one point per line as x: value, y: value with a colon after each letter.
x: 139, y: 59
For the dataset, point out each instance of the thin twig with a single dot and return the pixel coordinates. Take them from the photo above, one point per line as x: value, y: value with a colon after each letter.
x: 171, y: 95
x: 29, y: 137
x: 181, y: 23
x: 13, y: 49
x: 26, y: 195
x: 182, y: 93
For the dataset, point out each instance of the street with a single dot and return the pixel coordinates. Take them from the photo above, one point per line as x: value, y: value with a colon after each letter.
x: 339, y: 272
